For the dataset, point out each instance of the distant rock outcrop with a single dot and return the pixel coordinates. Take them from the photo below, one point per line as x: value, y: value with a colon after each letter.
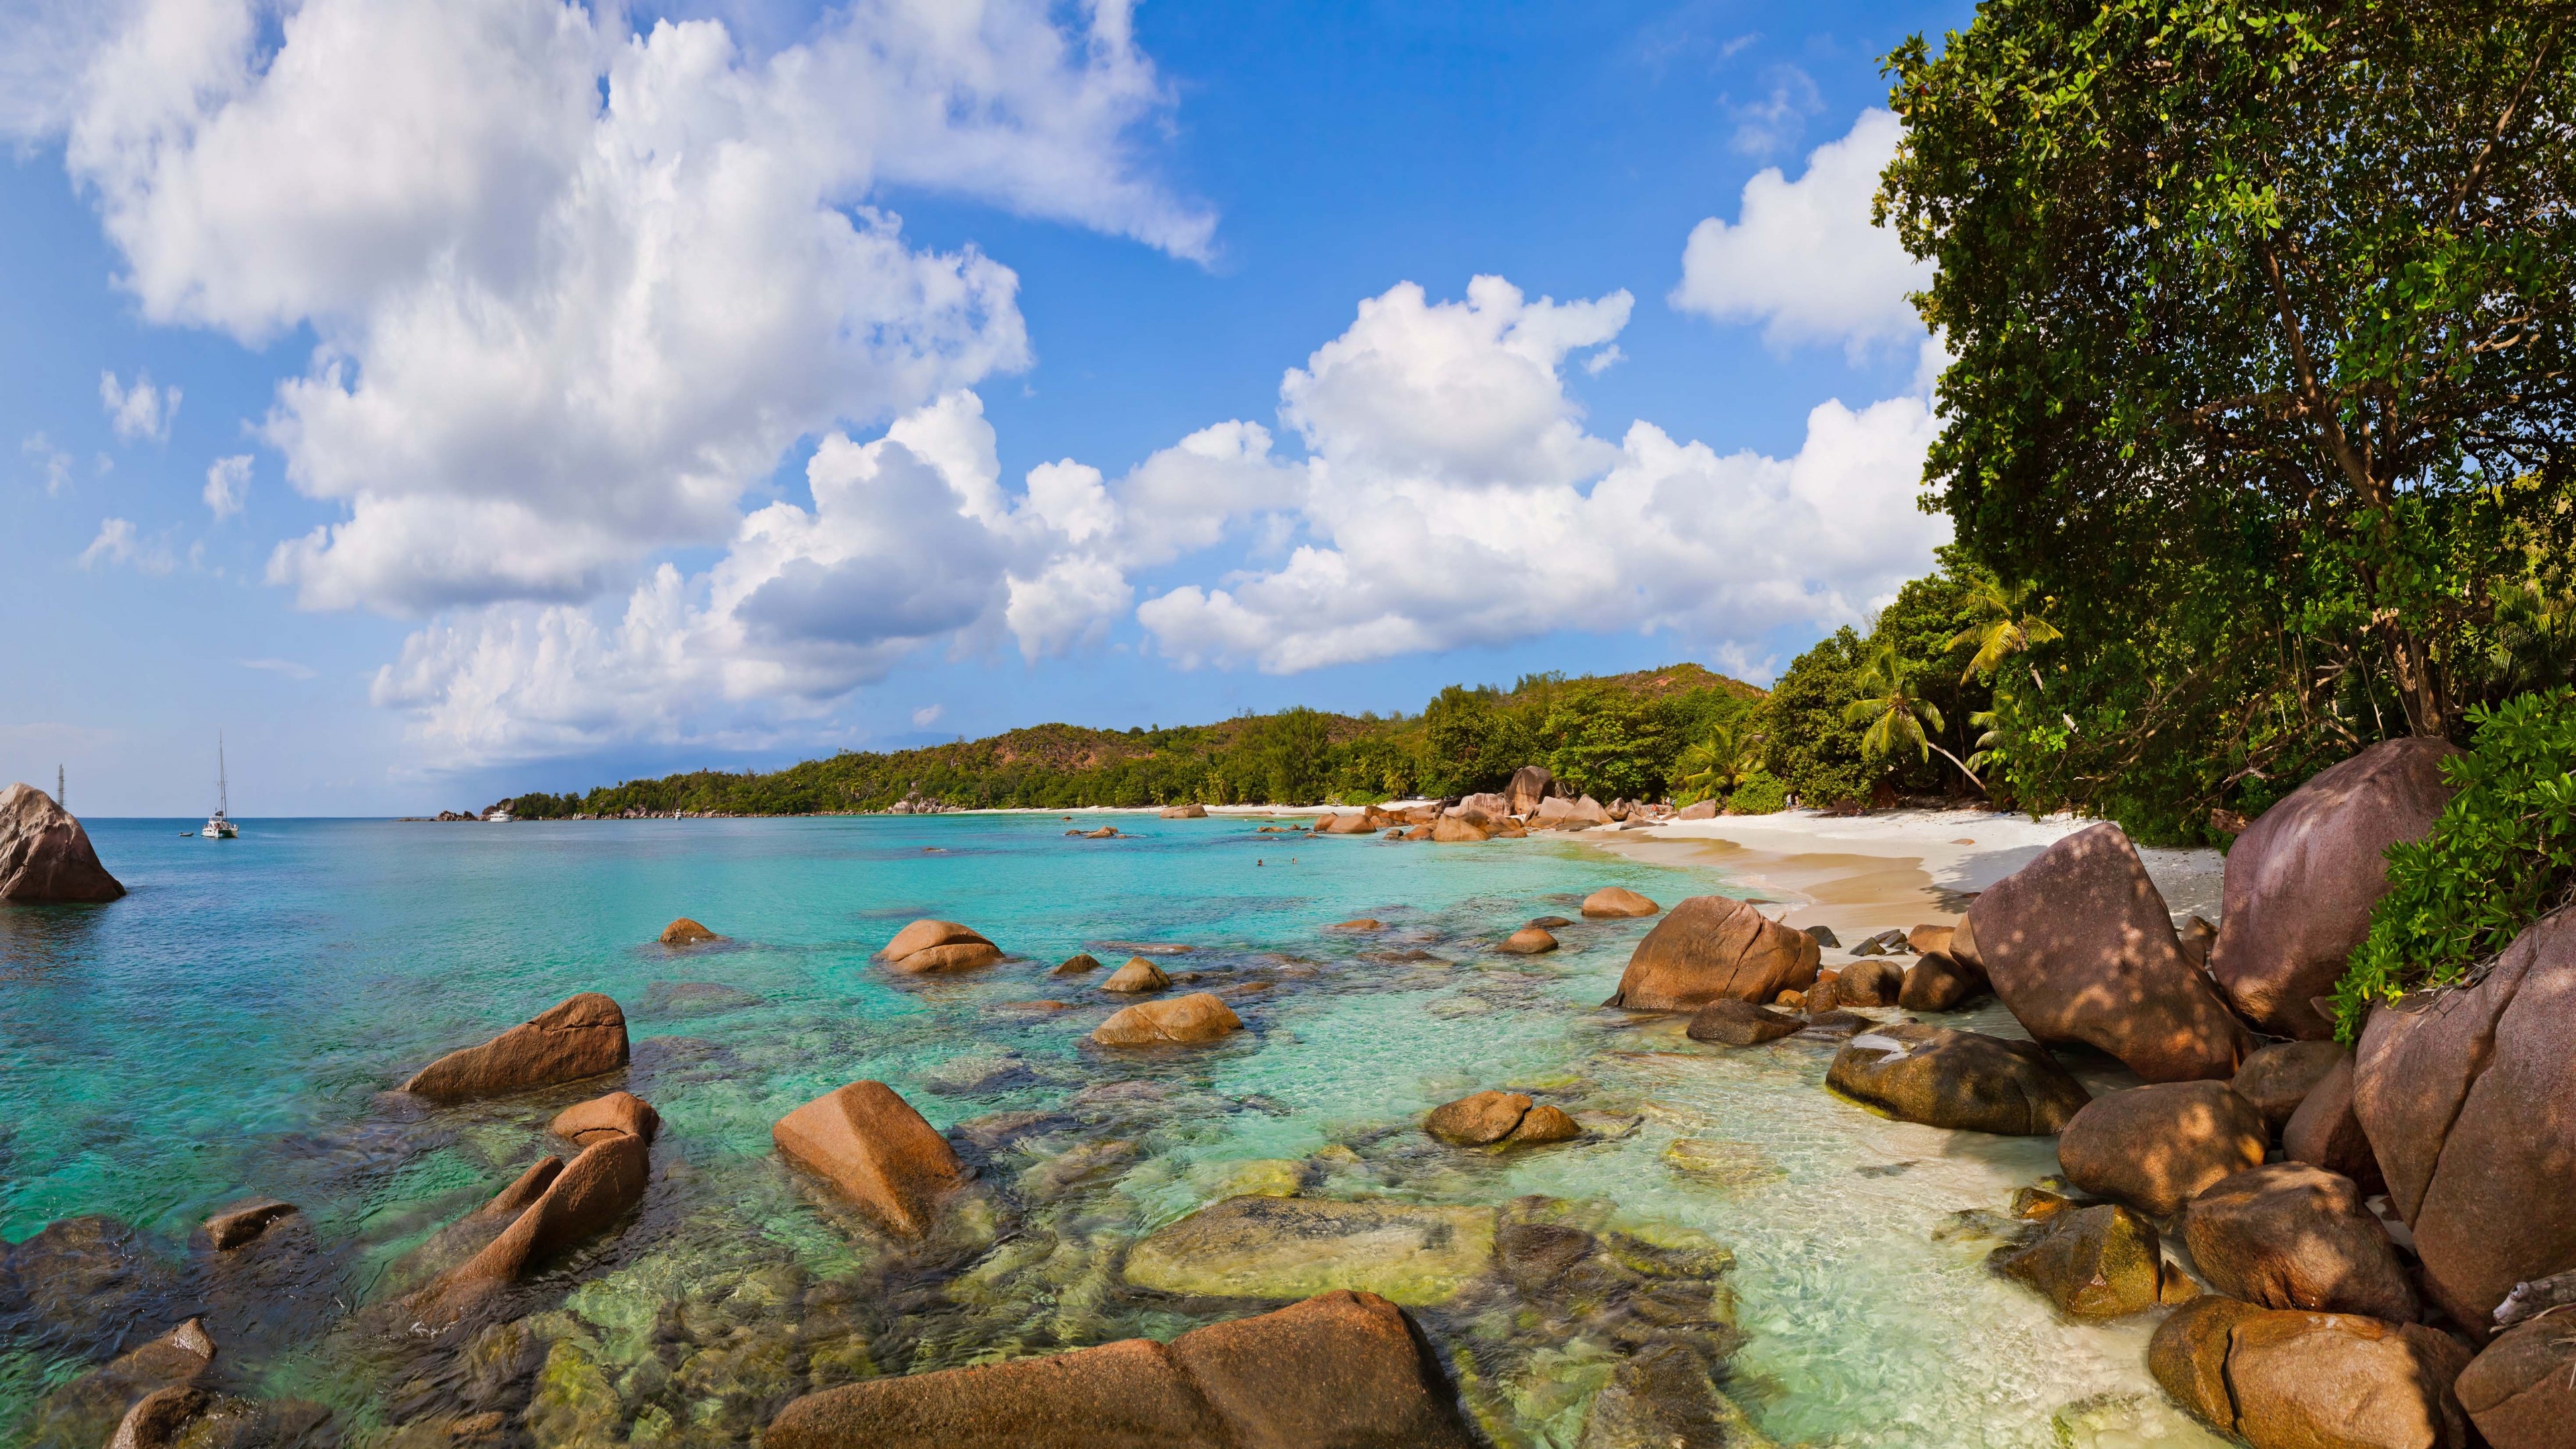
x: 1530, y: 784
x: 45, y: 856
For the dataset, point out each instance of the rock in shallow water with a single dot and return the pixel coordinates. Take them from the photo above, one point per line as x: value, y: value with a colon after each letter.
x: 1176, y: 1021
x: 686, y: 932
x: 1613, y: 902
x: 45, y: 855
x: 2281, y: 1380
x: 1341, y: 1369
x: 868, y: 1142
x: 2097, y: 1262
x: 581, y: 1036
x: 1279, y: 1247
x: 1960, y: 1079
x: 1136, y: 977
x: 1710, y: 947
x: 1740, y: 1023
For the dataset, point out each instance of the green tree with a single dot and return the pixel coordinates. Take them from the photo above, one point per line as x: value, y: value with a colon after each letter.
x: 1714, y: 766
x: 2007, y: 624
x: 1807, y: 744
x: 1894, y: 716
x: 2264, y: 317
x: 1469, y: 742
x: 1606, y: 743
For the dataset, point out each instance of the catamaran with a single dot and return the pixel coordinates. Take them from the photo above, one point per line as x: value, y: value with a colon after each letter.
x: 220, y: 826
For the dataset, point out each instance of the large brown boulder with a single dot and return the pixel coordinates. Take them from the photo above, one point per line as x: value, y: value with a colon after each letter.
x: 1191, y: 811
x: 1528, y: 941
x: 2081, y: 949
x: 2155, y: 1148
x: 1612, y: 902
x: 2277, y: 1078
x: 2469, y: 1100
x: 2283, y: 1380
x: 2326, y: 1132
x: 1173, y: 1021
x: 1710, y: 947
x: 1530, y: 784
x: 1459, y: 830
x: 580, y: 1036
x: 2293, y: 1236
x: 1868, y: 982
x: 1345, y: 1370
x: 686, y: 932
x: 45, y: 856
x: 2521, y: 1391
x: 2302, y: 879
x: 2098, y: 1262
x: 929, y: 947
x: 1958, y: 1079
x: 1355, y: 822
x: 1938, y: 981
x: 867, y: 1142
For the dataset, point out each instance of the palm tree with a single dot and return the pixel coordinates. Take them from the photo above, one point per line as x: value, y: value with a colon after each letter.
x: 1714, y: 765
x: 1895, y: 716
x: 2006, y: 626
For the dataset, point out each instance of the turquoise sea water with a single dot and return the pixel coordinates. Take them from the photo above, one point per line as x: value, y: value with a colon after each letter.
x: 233, y: 1026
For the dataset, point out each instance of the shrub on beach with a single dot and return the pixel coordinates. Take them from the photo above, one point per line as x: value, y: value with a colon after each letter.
x: 2502, y: 855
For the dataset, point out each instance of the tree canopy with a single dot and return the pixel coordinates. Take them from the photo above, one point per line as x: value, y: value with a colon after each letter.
x: 2261, y: 314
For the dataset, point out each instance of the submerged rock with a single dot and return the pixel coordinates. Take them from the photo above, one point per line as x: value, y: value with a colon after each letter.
x: 2302, y: 878
x: 695, y: 998
x: 2081, y: 949
x: 45, y: 855
x: 870, y: 1145
x: 1174, y: 1021
x: 1960, y: 1079
x: 1710, y: 947
x: 1077, y: 964
x: 2293, y: 1236
x: 1740, y: 1023
x: 244, y: 1222
x: 1342, y: 1369
x: 88, y: 1410
x: 581, y: 1036
x: 1290, y: 1247
x: 1663, y: 1396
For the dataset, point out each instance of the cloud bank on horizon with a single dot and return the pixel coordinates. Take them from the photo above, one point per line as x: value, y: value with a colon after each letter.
x: 576, y: 292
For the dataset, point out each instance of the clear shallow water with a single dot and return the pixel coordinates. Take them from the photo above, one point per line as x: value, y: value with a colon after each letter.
x: 230, y: 1029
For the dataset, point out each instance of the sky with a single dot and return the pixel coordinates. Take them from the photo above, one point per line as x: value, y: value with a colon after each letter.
x: 437, y: 401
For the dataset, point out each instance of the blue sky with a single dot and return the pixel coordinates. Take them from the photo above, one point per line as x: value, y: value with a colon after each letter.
x: 448, y: 400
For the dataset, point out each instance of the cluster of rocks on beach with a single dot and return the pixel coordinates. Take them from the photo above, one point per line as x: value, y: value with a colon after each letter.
x: 2364, y: 1246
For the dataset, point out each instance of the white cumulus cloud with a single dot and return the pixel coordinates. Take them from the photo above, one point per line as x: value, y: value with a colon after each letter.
x: 119, y: 543
x: 140, y: 411
x: 228, y: 485
x: 1455, y: 499
x: 578, y: 289
x: 1801, y: 257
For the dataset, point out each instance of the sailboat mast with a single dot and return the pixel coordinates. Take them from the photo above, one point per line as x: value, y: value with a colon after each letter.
x: 223, y: 787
